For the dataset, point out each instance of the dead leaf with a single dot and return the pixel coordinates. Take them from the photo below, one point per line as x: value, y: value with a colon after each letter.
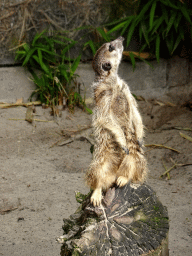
x: 19, y: 101
x: 186, y: 136
x: 161, y: 146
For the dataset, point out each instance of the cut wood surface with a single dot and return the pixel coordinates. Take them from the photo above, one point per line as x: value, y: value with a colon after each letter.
x: 131, y: 221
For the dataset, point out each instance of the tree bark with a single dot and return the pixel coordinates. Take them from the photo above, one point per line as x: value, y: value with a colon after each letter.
x: 130, y: 221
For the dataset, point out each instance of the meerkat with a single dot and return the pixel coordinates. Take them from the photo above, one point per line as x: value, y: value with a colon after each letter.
x: 118, y: 128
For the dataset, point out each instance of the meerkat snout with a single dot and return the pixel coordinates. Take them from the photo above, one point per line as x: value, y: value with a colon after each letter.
x: 120, y: 38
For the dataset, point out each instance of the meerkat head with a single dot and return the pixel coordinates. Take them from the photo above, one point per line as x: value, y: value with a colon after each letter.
x: 107, y: 59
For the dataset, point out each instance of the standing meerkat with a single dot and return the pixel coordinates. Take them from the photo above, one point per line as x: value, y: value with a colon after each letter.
x: 118, y: 128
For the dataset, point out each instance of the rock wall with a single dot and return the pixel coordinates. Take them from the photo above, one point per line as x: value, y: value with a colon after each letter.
x: 161, y: 81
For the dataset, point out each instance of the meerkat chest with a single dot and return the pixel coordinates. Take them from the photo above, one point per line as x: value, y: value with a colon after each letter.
x: 120, y: 104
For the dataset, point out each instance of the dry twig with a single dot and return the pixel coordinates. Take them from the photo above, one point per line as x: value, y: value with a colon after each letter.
x: 8, y: 210
x: 11, y: 105
x: 161, y: 146
x: 172, y: 167
x: 186, y: 136
x: 6, y: 16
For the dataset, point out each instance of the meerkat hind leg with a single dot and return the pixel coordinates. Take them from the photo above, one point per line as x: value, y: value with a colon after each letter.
x: 122, y: 181
x: 96, y: 197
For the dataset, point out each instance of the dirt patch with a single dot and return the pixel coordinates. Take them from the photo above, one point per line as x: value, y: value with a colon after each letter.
x: 38, y: 177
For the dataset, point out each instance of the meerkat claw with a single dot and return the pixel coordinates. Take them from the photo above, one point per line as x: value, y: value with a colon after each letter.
x: 96, y: 197
x: 126, y: 150
x: 122, y: 181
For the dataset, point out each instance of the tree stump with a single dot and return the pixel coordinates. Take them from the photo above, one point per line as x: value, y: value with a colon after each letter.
x: 130, y: 221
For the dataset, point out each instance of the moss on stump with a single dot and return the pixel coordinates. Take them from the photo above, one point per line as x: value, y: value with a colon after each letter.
x: 131, y: 221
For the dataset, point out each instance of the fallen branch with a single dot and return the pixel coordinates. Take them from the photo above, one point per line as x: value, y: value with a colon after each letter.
x: 186, y: 136
x: 167, y: 171
x: 11, y: 105
x: 161, y: 146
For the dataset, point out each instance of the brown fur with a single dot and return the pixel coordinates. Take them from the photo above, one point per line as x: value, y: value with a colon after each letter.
x: 117, y: 126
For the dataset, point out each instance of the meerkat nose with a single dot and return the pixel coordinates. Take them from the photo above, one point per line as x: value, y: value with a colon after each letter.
x: 121, y: 38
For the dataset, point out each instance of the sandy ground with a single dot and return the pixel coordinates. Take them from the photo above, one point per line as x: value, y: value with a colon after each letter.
x: 38, y: 177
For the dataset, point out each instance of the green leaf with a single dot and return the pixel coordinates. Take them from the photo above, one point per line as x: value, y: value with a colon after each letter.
x: 36, y: 58
x: 128, y: 21
x: 42, y: 64
x: 152, y: 14
x: 115, y: 22
x: 143, y: 47
x: 59, y: 42
x: 144, y: 30
x: 140, y: 33
x: 65, y: 74
x: 75, y: 65
x: 28, y: 56
x: 170, y: 41
x: 185, y: 13
x: 177, y: 21
x: 130, y: 32
x: 132, y: 60
x: 144, y: 10
x: 47, y: 43
x: 171, y: 21
x: 181, y: 32
x: 66, y: 49
x: 89, y: 110
x: 168, y: 3
x: 37, y: 37
x: 45, y: 50
x: 147, y: 62
x: 91, y: 44
x: 33, y: 74
x: 20, y: 55
x: 103, y: 34
x: 159, y: 22
x: 157, y: 48
x: 178, y: 40
x: 117, y: 27
x: 165, y: 14
x: 26, y: 47
x: 21, y: 52
x: 67, y: 39
x: 172, y: 5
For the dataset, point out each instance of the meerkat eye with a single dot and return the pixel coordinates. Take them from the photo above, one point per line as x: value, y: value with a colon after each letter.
x: 111, y: 48
x: 106, y: 66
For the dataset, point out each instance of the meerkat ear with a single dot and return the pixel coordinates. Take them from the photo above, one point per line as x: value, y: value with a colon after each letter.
x: 106, y: 66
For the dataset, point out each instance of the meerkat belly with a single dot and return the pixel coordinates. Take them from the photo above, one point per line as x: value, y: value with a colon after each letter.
x: 121, y: 109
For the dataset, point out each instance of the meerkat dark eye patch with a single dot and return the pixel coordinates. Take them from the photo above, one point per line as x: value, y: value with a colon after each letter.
x: 106, y: 66
x: 111, y: 48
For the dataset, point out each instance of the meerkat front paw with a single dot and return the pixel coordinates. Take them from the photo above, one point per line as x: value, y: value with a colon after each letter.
x: 122, y: 181
x: 96, y: 197
x: 126, y: 150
